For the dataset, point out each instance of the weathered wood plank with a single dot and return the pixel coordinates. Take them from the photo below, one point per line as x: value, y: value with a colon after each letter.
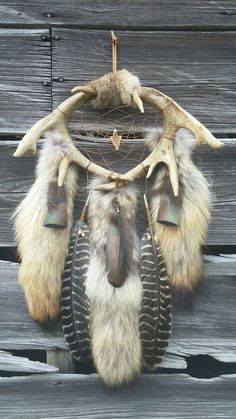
x: 209, y: 328
x: 25, y: 68
x: 16, y: 176
x: 200, y: 74
x: 195, y: 68
x: 78, y: 396
x: 61, y: 359
x: 152, y: 14
x: 8, y: 362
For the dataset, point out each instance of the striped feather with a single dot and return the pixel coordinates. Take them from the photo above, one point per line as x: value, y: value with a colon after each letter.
x: 155, y: 314
x: 74, y: 301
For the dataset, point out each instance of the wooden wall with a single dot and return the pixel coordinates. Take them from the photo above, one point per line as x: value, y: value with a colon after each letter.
x: 187, y: 49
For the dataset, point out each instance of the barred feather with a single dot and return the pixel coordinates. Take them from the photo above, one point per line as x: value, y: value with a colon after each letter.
x: 74, y: 301
x: 155, y: 314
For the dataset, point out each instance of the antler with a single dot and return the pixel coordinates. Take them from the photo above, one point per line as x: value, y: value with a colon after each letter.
x: 123, y: 88
x: 174, y: 118
x: 58, y: 120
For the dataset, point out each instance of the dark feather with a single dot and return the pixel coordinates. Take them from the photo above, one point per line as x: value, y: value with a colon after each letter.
x: 74, y: 302
x: 119, y: 248
x: 155, y: 314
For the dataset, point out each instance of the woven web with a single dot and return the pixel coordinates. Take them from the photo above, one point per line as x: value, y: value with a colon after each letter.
x: 92, y: 129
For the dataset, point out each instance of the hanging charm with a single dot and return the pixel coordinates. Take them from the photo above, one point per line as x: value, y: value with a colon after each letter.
x: 56, y: 216
x: 116, y: 139
x: 170, y: 209
x: 119, y: 247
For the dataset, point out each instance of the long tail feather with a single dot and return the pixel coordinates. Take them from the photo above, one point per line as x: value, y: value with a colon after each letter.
x: 150, y: 299
x: 165, y: 308
x: 155, y: 314
x: 74, y: 302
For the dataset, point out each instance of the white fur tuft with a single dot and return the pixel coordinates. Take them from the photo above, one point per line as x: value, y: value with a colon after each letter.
x: 116, y: 343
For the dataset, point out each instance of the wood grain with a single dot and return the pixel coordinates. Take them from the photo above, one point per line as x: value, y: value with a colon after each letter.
x: 78, y: 396
x: 138, y: 14
x: 25, y: 68
x: 194, y: 68
x: 16, y: 176
x: 209, y: 328
x: 8, y: 362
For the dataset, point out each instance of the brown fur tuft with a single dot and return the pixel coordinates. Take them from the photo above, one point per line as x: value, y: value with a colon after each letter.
x: 181, y: 245
x: 115, y: 89
x: 43, y: 250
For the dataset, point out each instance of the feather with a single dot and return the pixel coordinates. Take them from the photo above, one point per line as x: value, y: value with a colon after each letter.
x: 118, y: 248
x: 74, y: 302
x: 155, y: 313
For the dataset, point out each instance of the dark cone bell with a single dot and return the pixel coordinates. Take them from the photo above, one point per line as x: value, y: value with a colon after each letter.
x: 56, y: 216
x: 170, y: 208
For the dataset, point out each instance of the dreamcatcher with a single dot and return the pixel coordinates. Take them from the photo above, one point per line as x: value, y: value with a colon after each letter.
x: 113, y: 288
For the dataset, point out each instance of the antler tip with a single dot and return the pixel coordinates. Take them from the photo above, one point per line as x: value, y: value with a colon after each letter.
x: 20, y: 151
x: 220, y: 144
x: 82, y: 89
x: 138, y: 101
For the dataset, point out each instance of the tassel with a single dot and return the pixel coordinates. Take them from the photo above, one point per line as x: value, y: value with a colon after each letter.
x: 118, y: 248
x: 75, y: 308
x: 155, y: 314
x: 114, y: 312
x: 43, y: 250
x: 181, y: 246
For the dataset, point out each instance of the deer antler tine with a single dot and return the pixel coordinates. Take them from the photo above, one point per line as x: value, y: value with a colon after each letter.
x: 28, y: 142
x: 138, y: 101
x: 105, y: 187
x: 63, y: 167
x: 55, y: 120
x: 84, y: 89
x: 174, y: 179
x: 177, y: 117
x: 202, y: 134
x: 26, y: 146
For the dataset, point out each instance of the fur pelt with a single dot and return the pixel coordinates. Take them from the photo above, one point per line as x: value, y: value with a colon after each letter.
x: 43, y: 250
x: 181, y: 245
x: 116, y: 346
x: 114, y: 89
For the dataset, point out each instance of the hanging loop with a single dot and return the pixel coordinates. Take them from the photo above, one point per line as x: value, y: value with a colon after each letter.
x: 114, y: 41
